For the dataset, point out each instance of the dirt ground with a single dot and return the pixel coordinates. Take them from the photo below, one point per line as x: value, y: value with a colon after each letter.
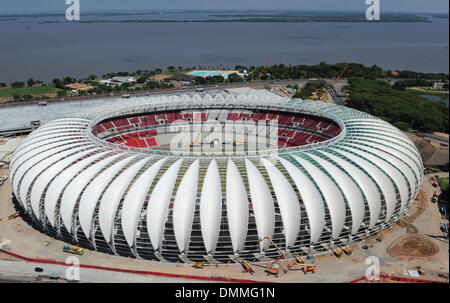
x: 413, y: 246
x: 424, y: 219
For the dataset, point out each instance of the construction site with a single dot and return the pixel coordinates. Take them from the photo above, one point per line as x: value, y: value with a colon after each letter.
x: 409, y: 244
x: 412, y: 248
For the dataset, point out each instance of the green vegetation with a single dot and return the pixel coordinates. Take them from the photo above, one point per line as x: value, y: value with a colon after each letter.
x: 378, y: 98
x: 17, y: 84
x: 401, y: 125
x: 311, y: 87
x: 437, y: 169
x: 427, y: 91
x: 369, y: 88
x: 208, y: 80
x: 403, y: 84
x: 39, y: 90
x: 443, y: 182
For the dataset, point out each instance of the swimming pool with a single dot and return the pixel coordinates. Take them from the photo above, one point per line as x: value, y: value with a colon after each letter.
x: 210, y: 74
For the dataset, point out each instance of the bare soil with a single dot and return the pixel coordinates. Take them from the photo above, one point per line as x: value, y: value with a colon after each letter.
x: 413, y: 246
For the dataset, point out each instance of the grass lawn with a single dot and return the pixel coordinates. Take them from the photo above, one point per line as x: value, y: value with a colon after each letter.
x: 433, y: 170
x: 40, y: 90
x: 444, y: 183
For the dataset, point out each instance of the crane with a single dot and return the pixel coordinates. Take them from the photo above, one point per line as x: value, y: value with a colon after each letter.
x: 332, y: 85
x: 282, y: 253
x: 271, y: 270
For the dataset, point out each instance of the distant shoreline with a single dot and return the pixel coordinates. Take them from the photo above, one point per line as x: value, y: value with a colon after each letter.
x: 255, y: 20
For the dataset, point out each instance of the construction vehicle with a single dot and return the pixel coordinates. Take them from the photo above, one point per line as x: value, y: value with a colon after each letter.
x: 444, y: 228
x: 420, y: 270
x: 73, y: 250
x: 2, y: 180
x: 434, y: 199
x: 346, y: 250
x: 444, y: 212
x: 198, y: 265
x: 298, y: 259
x: 14, y: 215
x: 337, y: 252
x: 331, y: 89
x: 273, y: 272
x: 307, y: 269
x: 273, y: 268
x: 247, y: 267
x: 282, y: 253
x: 53, y: 276
x: 201, y: 265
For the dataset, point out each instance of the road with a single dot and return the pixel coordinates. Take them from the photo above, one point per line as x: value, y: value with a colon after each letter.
x: 430, y: 137
x: 25, y: 271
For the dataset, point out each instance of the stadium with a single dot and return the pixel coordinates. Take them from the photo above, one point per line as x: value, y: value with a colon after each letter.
x: 214, y: 177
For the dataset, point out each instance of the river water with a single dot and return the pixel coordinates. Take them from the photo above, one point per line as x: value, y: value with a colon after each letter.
x: 32, y: 48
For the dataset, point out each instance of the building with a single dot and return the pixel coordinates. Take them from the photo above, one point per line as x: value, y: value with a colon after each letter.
x: 107, y: 180
x: 438, y: 85
x: 118, y: 81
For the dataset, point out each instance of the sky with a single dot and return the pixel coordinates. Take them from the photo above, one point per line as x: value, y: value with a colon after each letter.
x: 418, y: 6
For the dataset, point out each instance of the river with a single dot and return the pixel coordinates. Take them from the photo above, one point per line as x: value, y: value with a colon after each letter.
x: 33, y: 48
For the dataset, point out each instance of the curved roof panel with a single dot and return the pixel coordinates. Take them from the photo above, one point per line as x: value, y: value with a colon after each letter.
x: 358, y: 173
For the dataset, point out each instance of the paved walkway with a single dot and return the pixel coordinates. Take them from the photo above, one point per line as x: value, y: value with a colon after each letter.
x: 440, y: 175
x: 25, y: 271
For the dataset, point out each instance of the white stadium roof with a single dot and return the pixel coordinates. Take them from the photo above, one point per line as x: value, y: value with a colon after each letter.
x: 154, y: 204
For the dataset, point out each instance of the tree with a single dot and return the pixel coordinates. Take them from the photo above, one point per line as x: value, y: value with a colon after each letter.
x: 401, y: 125
x: 234, y: 77
x: 171, y: 68
x: 61, y: 93
x: 152, y: 85
x: 58, y: 83
x: 92, y: 77
x: 141, y: 80
x: 68, y: 80
x: 158, y: 70
x: 311, y: 87
x: 31, y: 82
x: 2, y: 85
x: 109, y: 76
x: 17, y: 84
x: 240, y: 68
x: 378, y: 98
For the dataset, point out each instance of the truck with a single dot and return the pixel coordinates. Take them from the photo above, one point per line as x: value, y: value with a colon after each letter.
x: 53, y: 276
x: 14, y: 215
x: 73, y: 250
